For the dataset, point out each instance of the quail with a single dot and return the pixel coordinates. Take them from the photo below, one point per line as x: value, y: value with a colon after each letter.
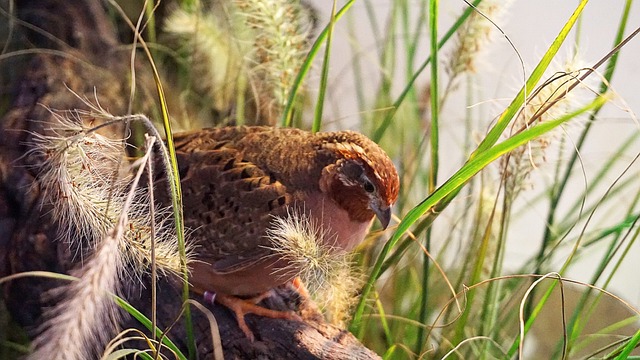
x: 235, y: 180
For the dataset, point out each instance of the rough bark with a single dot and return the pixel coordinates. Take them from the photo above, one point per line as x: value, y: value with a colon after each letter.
x: 28, y: 234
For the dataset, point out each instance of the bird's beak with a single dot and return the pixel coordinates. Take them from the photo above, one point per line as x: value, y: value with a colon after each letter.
x: 384, y: 215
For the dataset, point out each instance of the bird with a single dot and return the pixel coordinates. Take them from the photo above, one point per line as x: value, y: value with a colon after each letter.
x: 236, y: 180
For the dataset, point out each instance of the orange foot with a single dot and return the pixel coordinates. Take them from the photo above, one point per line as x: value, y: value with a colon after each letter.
x: 241, y: 307
x: 299, y: 286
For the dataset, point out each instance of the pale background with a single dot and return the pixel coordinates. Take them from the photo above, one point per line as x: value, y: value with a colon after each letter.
x: 531, y: 26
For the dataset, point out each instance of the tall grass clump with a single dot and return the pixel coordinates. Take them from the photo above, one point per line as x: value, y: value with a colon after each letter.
x: 465, y: 202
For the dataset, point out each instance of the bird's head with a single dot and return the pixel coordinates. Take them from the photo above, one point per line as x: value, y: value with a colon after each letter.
x: 360, y: 177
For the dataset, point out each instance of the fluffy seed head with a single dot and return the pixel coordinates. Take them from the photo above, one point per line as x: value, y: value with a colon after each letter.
x: 474, y: 36
x: 217, y: 48
x: 325, y: 270
x: 547, y: 102
x: 254, y: 45
x: 84, y: 178
x: 86, y: 314
x: 280, y: 30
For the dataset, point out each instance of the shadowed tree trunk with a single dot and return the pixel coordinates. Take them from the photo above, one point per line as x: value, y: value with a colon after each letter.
x: 90, y: 64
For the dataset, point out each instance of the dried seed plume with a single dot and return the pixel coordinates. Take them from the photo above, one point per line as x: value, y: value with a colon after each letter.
x: 325, y: 270
x: 102, y: 215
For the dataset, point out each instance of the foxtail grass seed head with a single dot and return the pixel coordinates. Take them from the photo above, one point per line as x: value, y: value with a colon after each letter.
x: 85, y: 179
x: 71, y: 329
x: 280, y: 31
x: 474, y: 36
x: 325, y: 271
x: 341, y: 294
x: 549, y: 101
x: 76, y: 173
x: 259, y: 42
x: 86, y: 315
x: 216, y: 49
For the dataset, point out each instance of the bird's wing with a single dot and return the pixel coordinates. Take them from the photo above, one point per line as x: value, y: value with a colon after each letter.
x: 228, y: 202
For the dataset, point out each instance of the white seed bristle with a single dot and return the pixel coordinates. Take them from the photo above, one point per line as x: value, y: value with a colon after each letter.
x: 95, y: 200
x: 84, y: 177
x: 555, y: 91
x: 86, y: 315
x: 325, y: 270
x: 474, y: 36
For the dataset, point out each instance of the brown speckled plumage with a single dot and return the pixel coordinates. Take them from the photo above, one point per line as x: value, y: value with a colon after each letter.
x: 236, y: 179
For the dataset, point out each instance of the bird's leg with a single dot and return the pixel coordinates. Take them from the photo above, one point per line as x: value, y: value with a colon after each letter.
x: 299, y: 286
x: 258, y: 298
x: 241, y: 307
x: 304, y: 295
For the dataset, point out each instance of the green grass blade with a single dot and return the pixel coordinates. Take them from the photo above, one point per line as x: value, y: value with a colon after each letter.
x: 382, y: 128
x: 632, y: 344
x: 176, y: 194
x: 176, y: 202
x: 287, y: 113
x: 435, y: 98
x: 123, y: 353
x: 455, y: 182
x: 506, y: 117
x: 433, y: 174
x: 317, y: 118
x: 383, y: 320
x: 147, y: 323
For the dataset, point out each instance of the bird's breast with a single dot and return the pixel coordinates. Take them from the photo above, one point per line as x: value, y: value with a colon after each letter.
x: 338, y: 227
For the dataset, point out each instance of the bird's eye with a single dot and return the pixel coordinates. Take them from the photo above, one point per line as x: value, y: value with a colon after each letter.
x: 368, y: 186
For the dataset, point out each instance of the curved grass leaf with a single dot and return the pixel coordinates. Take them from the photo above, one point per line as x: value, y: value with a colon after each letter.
x: 455, y: 183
